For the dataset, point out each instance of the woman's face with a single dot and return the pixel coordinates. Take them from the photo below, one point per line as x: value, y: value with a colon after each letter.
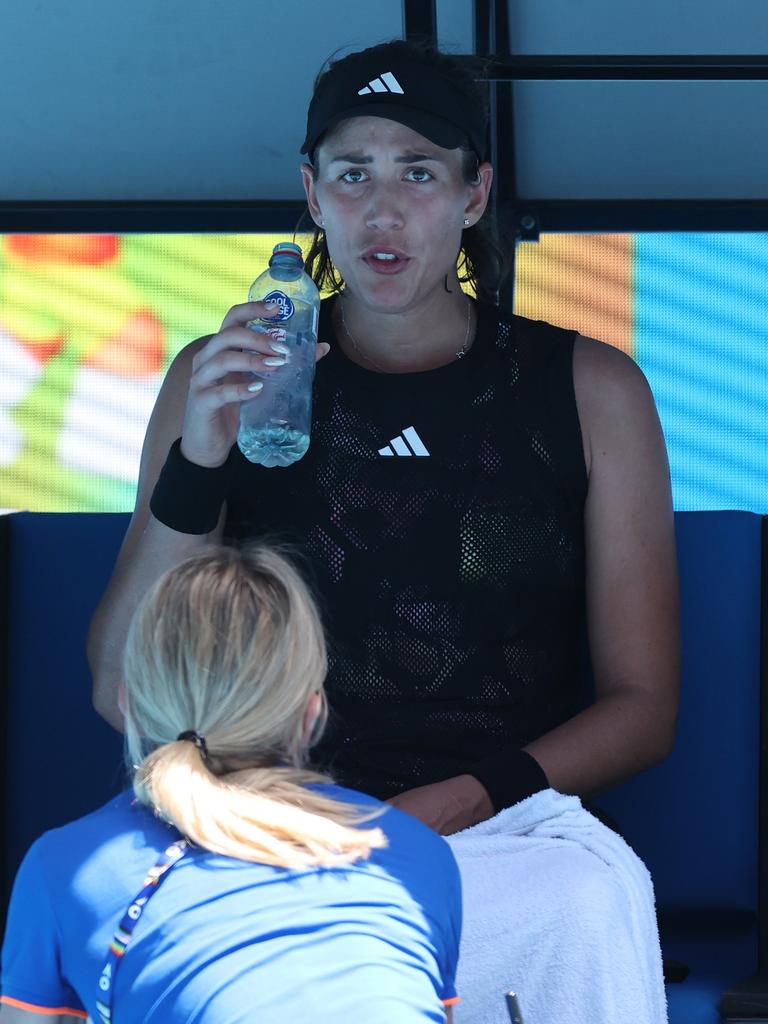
x: 392, y: 205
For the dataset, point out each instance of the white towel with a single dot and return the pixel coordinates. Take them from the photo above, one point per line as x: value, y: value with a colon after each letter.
x: 560, y: 910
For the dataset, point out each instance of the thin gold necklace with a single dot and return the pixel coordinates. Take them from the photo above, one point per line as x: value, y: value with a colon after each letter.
x: 459, y: 354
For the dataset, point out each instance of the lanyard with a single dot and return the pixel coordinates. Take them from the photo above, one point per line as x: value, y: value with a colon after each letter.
x: 124, y: 932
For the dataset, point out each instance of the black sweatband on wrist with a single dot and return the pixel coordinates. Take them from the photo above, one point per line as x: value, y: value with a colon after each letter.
x: 188, y: 497
x: 509, y: 776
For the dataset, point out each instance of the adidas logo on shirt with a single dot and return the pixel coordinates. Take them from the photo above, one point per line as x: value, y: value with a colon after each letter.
x: 384, y: 83
x: 407, y: 443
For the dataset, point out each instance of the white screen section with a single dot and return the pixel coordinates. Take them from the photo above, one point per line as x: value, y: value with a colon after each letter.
x: 455, y: 26
x: 638, y: 26
x: 178, y: 99
x: 641, y: 140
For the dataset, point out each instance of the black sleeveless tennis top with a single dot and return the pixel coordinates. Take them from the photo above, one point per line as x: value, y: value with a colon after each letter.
x: 442, y: 516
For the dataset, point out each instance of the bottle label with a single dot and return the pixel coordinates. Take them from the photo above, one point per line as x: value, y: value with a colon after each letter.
x: 285, y: 307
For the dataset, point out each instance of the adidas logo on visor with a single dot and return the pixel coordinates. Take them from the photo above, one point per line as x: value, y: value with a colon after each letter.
x: 384, y: 83
x: 407, y: 443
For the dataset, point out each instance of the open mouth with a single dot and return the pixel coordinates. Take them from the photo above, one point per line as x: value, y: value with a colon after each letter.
x: 385, y: 261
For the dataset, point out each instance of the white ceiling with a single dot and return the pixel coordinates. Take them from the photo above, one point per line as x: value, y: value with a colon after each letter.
x: 166, y: 99
x: 638, y: 26
x: 206, y: 99
x: 641, y: 139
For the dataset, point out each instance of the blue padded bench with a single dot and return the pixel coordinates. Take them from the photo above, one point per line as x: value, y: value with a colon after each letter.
x: 60, y: 759
x: 694, y: 818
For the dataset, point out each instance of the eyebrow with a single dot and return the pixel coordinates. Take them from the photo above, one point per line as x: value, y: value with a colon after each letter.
x: 406, y: 158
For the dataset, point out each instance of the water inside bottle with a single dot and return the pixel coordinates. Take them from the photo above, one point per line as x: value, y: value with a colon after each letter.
x: 273, y: 444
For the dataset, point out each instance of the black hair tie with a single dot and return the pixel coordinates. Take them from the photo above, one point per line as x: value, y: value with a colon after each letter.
x: 197, y: 738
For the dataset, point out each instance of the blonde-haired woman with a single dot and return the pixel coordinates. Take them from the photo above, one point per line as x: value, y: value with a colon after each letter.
x: 233, y: 884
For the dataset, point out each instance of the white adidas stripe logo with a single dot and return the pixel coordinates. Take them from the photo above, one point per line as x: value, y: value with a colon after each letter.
x: 384, y: 83
x: 407, y: 443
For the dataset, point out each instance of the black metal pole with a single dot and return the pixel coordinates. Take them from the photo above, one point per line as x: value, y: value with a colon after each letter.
x: 607, y: 216
x: 505, y: 160
x: 420, y: 19
x: 105, y: 217
x: 491, y: 25
x: 484, y: 13
x: 618, y: 67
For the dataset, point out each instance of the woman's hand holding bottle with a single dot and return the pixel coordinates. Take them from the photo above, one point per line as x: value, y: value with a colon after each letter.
x: 223, y: 377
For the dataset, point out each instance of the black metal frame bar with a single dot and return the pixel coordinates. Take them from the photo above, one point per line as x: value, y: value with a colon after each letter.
x: 156, y: 215
x: 535, y: 216
x: 629, y: 67
x: 529, y: 217
x: 420, y: 19
x: 491, y: 24
x: 485, y: 27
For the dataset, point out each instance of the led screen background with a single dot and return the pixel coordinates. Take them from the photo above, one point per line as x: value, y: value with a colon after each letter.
x: 90, y: 323
x: 692, y: 309
x: 88, y: 328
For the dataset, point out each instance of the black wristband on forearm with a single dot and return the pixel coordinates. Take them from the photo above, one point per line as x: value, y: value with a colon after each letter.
x: 188, y: 497
x: 509, y: 776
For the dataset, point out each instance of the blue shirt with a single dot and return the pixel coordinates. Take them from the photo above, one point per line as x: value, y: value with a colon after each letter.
x: 228, y: 941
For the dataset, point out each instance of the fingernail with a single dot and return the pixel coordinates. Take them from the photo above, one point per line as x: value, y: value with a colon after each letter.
x: 256, y: 386
x: 274, y: 361
x: 277, y: 347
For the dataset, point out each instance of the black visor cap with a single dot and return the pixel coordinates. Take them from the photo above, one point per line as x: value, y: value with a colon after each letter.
x: 401, y: 90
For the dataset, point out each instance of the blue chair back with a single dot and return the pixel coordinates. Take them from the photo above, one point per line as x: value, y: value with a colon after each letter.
x: 694, y: 819
x: 61, y: 760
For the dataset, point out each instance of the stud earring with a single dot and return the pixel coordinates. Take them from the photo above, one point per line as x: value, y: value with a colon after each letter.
x: 466, y: 222
x: 320, y: 223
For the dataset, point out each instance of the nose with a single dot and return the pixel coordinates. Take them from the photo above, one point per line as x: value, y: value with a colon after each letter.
x: 384, y: 211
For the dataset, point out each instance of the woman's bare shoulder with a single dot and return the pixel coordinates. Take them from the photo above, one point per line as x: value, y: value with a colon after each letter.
x: 613, y: 396
x: 598, y: 364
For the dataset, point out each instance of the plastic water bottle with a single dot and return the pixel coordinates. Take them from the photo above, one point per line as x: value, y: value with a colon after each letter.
x: 275, y: 424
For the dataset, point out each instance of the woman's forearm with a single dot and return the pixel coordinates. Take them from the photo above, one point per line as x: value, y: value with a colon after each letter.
x: 622, y: 733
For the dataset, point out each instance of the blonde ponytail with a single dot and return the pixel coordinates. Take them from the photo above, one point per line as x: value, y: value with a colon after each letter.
x: 229, y: 644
